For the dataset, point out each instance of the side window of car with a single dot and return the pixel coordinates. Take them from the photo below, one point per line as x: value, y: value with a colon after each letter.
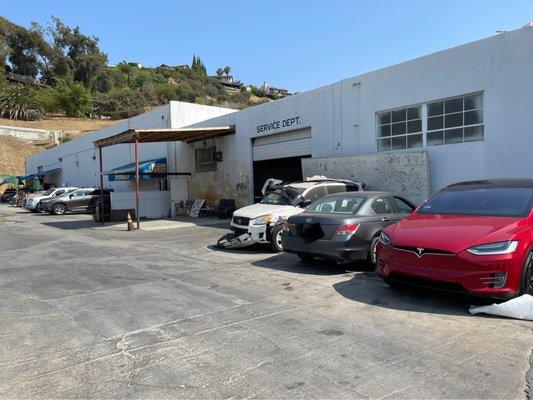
x: 78, y: 193
x: 336, y: 188
x: 59, y: 193
x: 382, y: 206
x: 403, y: 206
x: 315, y: 193
x: 352, y: 188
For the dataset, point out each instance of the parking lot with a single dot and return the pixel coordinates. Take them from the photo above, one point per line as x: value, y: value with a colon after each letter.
x: 96, y: 312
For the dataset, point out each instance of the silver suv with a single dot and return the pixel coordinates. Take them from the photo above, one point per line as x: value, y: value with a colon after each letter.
x: 34, y: 203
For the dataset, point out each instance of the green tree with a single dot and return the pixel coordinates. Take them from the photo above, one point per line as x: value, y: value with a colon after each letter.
x: 198, y: 66
x: 75, y: 100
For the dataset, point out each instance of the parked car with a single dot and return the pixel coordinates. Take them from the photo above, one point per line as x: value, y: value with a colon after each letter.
x: 34, y: 202
x: 343, y: 226
x: 262, y: 222
x: 8, y: 195
x: 80, y: 200
x: 471, y: 237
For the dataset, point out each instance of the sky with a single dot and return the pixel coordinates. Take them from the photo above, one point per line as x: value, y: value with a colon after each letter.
x: 295, y: 44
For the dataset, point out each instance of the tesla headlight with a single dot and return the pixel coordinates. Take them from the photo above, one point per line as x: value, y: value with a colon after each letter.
x: 384, y: 239
x: 492, y: 249
x: 262, y: 220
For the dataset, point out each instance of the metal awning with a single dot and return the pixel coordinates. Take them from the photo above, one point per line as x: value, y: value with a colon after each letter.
x: 165, y: 135
x: 148, y: 169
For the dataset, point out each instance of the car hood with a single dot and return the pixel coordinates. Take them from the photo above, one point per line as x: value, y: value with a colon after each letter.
x: 257, y: 210
x: 452, y: 233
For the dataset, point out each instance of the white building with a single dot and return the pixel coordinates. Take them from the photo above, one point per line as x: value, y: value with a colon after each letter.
x: 467, y: 108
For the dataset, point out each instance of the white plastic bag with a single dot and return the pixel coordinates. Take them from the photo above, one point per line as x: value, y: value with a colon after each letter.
x: 519, y: 308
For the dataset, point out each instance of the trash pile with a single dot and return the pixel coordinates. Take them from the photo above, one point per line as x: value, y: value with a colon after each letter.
x: 519, y: 308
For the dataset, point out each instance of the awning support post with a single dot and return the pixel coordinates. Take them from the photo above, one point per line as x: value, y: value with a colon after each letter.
x: 137, y: 183
x: 101, y: 186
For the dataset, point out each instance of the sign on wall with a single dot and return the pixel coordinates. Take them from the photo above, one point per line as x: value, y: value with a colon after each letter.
x: 278, y: 124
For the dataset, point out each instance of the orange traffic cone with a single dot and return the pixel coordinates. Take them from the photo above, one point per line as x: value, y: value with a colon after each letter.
x: 130, y: 223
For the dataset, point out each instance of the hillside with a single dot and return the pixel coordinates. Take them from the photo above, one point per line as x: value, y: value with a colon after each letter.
x: 71, y: 126
x: 13, y: 153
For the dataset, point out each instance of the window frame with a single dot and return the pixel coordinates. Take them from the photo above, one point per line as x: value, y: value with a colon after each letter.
x: 387, y: 200
x: 425, y: 120
x: 462, y: 112
x: 202, y: 165
x: 405, y: 121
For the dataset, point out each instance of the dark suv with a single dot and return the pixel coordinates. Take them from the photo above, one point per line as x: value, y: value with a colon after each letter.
x: 81, y: 200
x: 8, y: 195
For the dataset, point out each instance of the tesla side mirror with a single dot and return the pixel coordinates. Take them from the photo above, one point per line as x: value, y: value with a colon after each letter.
x: 306, y: 203
x: 70, y: 196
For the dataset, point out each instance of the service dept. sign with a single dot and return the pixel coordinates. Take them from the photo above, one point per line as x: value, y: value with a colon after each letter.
x: 275, y: 125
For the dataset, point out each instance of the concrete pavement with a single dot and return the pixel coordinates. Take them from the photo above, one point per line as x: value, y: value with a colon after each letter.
x: 100, y: 313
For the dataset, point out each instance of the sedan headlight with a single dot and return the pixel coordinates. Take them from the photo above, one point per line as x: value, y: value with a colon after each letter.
x: 492, y: 249
x: 384, y: 239
x: 262, y: 220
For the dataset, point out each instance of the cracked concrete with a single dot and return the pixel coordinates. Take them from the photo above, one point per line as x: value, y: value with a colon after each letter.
x: 97, y: 313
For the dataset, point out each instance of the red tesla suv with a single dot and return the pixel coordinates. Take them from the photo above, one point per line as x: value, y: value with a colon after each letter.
x: 474, y: 237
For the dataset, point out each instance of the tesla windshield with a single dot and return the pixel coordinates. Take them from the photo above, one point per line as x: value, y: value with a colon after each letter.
x: 494, y: 201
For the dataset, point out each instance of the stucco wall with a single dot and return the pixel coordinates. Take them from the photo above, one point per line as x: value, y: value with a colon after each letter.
x: 30, y: 134
x: 342, y: 116
x: 401, y: 173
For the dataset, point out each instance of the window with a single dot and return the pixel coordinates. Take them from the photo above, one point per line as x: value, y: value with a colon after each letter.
x: 338, y: 188
x: 382, y: 206
x: 403, y: 206
x: 59, y: 192
x: 336, y: 205
x: 316, y: 193
x: 400, y: 129
x: 480, y: 200
x: 455, y: 120
x: 205, y: 159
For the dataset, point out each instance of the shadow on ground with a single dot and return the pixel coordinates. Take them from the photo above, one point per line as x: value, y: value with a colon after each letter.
x: 370, y: 289
x: 69, y: 225
x: 290, y: 263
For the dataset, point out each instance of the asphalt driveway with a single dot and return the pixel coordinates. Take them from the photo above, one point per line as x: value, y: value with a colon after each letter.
x: 90, y: 312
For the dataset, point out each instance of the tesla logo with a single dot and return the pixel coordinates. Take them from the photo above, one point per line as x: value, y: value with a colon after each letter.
x: 309, y: 219
x: 419, y: 251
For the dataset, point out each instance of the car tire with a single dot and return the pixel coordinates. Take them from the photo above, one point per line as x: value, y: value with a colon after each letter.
x: 371, y: 259
x: 305, y: 257
x: 526, y: 286
x: 59, y: 209
x: 39, y: 207
x: 275, y: 239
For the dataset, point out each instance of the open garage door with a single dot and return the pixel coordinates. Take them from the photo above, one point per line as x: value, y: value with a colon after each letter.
x: 279, y: 156
x: 283, y: 145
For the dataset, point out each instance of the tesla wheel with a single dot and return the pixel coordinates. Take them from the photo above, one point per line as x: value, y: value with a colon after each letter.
x: 39, y: 207
x: 59, y: 209
x: 305, y: 257
x: 527, y: 278
x: 275, y: 242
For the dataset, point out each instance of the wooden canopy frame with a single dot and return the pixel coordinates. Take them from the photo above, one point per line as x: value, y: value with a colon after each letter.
x: 136, y: 136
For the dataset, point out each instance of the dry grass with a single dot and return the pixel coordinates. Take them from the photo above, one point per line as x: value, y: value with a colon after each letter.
x: 13, y: 153
x: 72, y: 126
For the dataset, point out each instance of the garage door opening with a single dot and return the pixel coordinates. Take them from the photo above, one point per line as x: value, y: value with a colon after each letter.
x: 286, y: 169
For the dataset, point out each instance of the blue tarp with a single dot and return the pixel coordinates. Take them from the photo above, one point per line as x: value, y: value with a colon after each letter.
x: 149, y: 169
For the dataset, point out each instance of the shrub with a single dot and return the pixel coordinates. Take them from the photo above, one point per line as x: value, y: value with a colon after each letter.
x: 75, y: 100
x: 48, y: 98
x: 119, y: 103
x: 20, y: 102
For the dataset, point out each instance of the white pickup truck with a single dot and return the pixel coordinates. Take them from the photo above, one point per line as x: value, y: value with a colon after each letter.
x: 262, y: 222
